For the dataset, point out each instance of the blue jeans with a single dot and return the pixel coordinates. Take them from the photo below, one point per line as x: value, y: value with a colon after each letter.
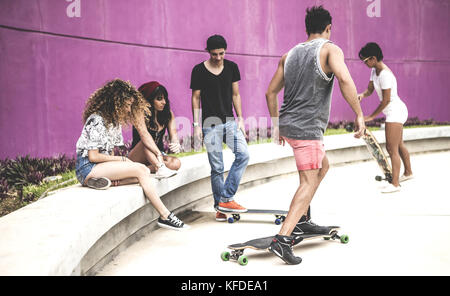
x: 213, y: 138
x: 82, y: 168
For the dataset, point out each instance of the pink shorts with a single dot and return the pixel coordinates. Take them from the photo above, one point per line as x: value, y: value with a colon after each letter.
x: 308, y: 153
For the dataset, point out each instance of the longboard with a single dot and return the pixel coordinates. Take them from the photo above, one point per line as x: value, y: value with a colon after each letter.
x: 263, y: 244
x: 280, y: 215
x: 377, y: 153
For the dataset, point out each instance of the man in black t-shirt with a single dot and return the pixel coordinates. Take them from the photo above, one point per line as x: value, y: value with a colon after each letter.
x: 214, y: 84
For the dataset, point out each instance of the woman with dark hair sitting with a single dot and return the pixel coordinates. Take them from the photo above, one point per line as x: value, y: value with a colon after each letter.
x: 117, y: 103
x: 383, y: 81
x: 160, y: 119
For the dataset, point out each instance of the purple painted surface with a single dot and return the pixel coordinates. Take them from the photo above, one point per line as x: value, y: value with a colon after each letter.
x: 50, y: 63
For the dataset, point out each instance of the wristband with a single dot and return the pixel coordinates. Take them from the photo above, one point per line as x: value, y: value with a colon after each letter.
x: 195, y: 124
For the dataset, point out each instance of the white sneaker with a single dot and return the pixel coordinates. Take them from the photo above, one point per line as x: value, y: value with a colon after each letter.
x: 403, y: 178
x: 164, y: 172
x: 390, y: 189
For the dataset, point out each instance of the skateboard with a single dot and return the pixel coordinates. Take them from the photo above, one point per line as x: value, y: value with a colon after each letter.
x: 377, y: 153
x: 263, y: 244
x: 280, y: 215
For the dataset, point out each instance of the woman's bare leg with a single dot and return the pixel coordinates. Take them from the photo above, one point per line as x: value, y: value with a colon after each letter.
x: 393, y: 139
x: 127, y: 170
x: 142, y: 155
x: 172, y: 162
x: 404, y: 155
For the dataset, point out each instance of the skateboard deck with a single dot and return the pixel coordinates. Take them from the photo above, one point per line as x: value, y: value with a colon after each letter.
x: 262, y: 244
x: 377, y: 153
x: 280, y: 215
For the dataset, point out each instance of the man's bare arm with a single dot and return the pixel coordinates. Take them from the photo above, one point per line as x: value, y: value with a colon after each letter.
x: 196, y: 105
x: 275, y: 86
x: 238, y: 106
x: 337, y: 65
x: 198, y: 136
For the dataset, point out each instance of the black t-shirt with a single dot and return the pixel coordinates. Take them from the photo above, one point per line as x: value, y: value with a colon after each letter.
x: 216, y: 93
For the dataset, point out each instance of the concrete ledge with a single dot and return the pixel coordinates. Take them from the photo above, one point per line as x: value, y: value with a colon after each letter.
x: 78, y: 230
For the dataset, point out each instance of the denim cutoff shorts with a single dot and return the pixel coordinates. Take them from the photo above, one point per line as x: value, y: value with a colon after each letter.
x: 83, y: 167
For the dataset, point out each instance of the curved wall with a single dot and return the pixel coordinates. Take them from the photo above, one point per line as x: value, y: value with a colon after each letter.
x: 50, y: 63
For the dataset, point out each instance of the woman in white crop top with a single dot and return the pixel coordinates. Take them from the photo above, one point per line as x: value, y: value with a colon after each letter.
x: 383, y: 81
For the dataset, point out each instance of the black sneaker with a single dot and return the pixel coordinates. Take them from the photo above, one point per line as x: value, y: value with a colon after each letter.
x: 98, y: 183
x: 172, y: 222
x: 297, y: 239
x: 309, y: 227
x: 282, y: 247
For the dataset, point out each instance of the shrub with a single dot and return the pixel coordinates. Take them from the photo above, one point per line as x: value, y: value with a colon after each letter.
x: 23, y: 171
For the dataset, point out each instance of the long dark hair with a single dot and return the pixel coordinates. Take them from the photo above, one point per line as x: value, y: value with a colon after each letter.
x: 150, y: 93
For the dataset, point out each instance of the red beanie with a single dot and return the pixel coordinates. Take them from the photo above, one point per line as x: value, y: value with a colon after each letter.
x: 147, y: 88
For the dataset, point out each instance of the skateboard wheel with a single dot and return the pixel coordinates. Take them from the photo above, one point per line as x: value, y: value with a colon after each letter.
x: 378, y: 178
x: 327, y: 238
x: 278, y: 221
x: 283, y: 218
x: 225, y: 256
x: 243, y: 260
x: 344, y: 239
x: 231, y: 220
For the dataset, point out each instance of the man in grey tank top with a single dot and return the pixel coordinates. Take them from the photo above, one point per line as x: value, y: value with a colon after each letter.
x: 307, y: 74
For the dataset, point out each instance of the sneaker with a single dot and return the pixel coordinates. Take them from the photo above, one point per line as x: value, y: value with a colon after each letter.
x: 309, y: 227
x: 172, y: 222
x: 390, y: 189
x: 221, y: 217
x: 282, y: 247
x: 404, y: 178
x: 297, y: 239
x: 231, y: 206
x: 164, y: 172
x: 98, y: 183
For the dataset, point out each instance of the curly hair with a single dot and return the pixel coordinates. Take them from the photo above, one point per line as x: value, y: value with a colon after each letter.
x: 110, y: 101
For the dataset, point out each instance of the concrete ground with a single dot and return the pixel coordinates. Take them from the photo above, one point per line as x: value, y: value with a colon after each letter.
x: 403, y: 233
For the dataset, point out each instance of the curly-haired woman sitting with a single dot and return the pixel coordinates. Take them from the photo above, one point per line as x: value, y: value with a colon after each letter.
x: 117, y: 103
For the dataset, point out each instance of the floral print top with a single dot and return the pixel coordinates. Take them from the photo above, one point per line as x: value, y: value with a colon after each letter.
x: 96, y: 135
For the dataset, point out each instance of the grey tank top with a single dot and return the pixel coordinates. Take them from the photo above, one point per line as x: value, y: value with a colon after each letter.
x: 306, y: 106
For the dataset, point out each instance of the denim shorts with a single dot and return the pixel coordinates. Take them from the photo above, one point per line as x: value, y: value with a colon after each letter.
x: 83, y: 167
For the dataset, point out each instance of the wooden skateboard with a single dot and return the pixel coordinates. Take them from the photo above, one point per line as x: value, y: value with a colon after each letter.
x: 280, y: 215
x: 377, y: 153
x: 262, y: 244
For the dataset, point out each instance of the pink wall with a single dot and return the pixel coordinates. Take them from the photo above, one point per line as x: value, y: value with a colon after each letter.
x: 50, y: 63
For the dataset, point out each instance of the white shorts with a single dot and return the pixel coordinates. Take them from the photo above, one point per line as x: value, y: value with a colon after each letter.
x: 396, y: 112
